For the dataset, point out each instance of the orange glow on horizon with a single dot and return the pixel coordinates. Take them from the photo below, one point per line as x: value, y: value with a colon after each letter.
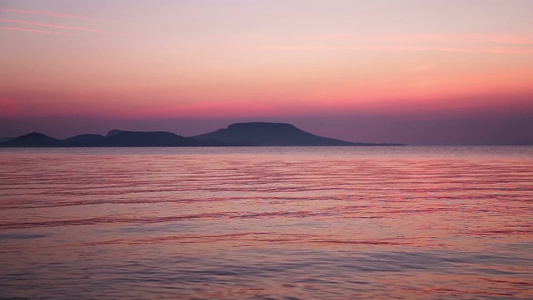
x: 185, y: 59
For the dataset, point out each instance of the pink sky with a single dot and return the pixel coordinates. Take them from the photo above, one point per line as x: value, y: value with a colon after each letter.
x: 391, y: 63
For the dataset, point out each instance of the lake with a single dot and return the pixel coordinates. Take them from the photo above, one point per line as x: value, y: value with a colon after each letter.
x: 267, y: 223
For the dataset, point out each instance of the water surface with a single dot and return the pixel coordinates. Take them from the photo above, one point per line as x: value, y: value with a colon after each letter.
x: 267, y: 223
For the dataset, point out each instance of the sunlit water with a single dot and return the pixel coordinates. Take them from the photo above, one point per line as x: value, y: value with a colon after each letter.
x: 267, y: 223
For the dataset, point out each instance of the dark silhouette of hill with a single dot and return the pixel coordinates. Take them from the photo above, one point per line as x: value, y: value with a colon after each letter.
x: 115, y: 138
x: 113, y: 132
x: 146, y: 139
x: 240, y: 134
x: 33, y: 139
x: 5, y: 139
x: 85, y: 139
x: 271, y: 134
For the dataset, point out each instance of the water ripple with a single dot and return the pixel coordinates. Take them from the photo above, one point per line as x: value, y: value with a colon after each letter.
x: 267, y: 223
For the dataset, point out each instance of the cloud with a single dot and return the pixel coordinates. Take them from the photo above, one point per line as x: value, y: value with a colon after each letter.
x: 493, y: 50
x: 466, y: 38
x: 62, y: 27
x: 35, y: 12
x: 465, y: 43
x: 34, y: 30
x: 53, y: 14
x: 47, y: 25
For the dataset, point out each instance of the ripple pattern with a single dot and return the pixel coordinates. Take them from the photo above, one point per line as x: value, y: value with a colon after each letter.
x: 267, y: 223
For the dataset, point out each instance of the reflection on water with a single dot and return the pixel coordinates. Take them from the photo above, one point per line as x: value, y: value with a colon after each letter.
x: 280, y: 223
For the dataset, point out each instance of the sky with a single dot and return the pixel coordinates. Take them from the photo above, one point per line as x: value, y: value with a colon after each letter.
x: 412, y: 71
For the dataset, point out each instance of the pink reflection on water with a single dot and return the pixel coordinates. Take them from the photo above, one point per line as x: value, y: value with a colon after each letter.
x: 302, y: 224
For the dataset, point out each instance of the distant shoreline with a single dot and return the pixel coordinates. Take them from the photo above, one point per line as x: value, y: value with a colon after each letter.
x: 255, y: 134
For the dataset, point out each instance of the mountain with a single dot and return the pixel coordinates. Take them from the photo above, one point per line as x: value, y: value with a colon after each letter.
x: 270, y: 134
x: 33, y: 139
x: 239, y: 134
x: 113, y: 132
x: 85, y: 139
x: 4, y: 139
x: 117, y: 138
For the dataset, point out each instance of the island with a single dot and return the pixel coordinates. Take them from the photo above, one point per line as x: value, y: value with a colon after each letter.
x: 239, y: 134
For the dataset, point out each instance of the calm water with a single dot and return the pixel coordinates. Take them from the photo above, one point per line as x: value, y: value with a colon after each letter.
x: 267, y: 223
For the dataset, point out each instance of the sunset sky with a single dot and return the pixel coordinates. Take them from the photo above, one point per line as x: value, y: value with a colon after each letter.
x: 418, y: 72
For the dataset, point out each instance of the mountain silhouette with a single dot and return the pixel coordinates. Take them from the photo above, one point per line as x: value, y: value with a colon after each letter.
x: 115, y: 138
x: 271, y: 134
x: 33, y: 139
x: 113, y: 132
x: 239, y: 134
x: 146, y: 139
x: 85, y: 139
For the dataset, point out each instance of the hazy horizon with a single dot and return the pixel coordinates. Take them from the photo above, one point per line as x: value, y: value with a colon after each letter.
x: 195, y: 127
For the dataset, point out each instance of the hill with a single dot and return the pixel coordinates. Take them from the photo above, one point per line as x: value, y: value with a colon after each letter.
x: 33, y: 139
x: 239, y: 134
x: 85, y: 139
x: 145, y: 139
x: 5, y: 139
x: 271, y: 134
x: 115, y: 138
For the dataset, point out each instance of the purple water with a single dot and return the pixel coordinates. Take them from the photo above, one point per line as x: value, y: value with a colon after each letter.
x: 267, y: 223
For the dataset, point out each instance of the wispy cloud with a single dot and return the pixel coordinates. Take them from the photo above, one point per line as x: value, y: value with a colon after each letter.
x: 34, y: 30
x: 45, y: 13
x: 47, y: 25
x: 465, y: 43
x: 466, y: 38
x: 63, y: 27
x: 493, y: 50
